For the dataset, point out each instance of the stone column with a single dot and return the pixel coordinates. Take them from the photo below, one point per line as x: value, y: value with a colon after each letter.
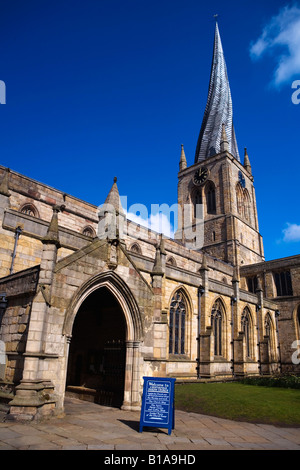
x: 234, y: 316
x: 135, y: 389
x: 239, y: 355
x: 206, y: 353
x: 34, y: 397
x: 259, y: 323
x: 159, y: 323
x: 131, y: 386
x: 128, y: 376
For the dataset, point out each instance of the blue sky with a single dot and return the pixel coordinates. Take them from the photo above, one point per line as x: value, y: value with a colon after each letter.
x: 104, y: 88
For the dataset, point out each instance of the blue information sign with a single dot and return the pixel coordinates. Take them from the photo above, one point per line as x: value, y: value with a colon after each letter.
x: 158, y: 403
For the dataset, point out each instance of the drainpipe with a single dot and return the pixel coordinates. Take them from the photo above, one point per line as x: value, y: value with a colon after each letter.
x: 17, y: 235
x: 258, y: 308
x: 277, y: 314
x: 3, y: 305
x: 201, y: 291
x: 233, y: 301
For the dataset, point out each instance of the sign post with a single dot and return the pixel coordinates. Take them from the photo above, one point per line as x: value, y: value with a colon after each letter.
x: 158, y: 403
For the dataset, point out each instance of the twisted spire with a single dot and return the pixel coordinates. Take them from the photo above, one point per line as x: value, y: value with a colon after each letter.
x: 218, y: 111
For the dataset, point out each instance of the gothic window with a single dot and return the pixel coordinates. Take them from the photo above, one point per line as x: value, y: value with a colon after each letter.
x: 171, y: 261
x: 88, y: 232
x: 246, y: 205
x: 269, y: 333
x: 243, y: 202
x: 197, y: 199
x: 252, y: 284
x: 135, y: 248
x: 177, y: 324
x: 239, y: 199
x: 267, y: 325
x: 283, y: 282
x: 247, y: 329
x: 217, y: 315
x: 29, y: 209
x: 210, y: 193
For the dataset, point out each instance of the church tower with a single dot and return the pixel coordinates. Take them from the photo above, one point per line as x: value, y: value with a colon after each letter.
x: 218, y: 188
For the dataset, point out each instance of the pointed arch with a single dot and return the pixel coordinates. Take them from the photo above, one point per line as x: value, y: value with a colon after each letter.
x: 243, y: 202
x: 269, y: 328
x: 180, y: 308
x: 88, y: 231
x: 135, y: 248
x: 218, y: 322
x: 134, y: 332
x: 123, y: 294
x: 210, y: 197
x: 197, y: 201
x: 239, y: 199
x: 29, y: 209
x: 247, y: 205
x: 171, y: 261
x: 248, y: 330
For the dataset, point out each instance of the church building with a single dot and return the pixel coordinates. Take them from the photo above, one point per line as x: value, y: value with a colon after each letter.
x: 88, y: 309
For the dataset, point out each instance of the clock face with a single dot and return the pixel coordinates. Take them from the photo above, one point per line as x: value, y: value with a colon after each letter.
x: 201, y: 175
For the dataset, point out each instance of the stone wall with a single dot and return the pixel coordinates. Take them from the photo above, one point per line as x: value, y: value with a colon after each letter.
x: 287, y: 306
x: 20, y: 289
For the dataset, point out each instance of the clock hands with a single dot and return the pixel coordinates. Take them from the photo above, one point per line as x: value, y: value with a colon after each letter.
x: 200, y: 175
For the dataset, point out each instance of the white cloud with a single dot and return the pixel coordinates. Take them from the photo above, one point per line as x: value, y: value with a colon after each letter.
x: 291, y: 233
x: 281, y: 38
x: 157, y: 222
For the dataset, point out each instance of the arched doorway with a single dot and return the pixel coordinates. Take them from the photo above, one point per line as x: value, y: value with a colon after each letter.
x: 97, y: 354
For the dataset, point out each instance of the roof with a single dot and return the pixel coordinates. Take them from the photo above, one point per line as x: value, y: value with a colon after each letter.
x: 218, y: 109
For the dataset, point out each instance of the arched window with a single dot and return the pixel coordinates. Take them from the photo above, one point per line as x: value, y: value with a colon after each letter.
x: 283, y: 282
x: 178, y: 311
x: 239, y: 199
x: 243, y: 202
x: 29, y: 209
x: 135, y: 248
x: 247, y: 329
x: 246, y: 205
x: 217, y: 316
x: 198, y: 201
x: 171, y: 261
x: 270, y: 334
x: 210, y: 193
x: 88, y: 232
x: 252, y: 283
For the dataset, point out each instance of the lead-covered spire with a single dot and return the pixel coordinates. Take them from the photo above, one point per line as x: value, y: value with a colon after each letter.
x: 218, y: 111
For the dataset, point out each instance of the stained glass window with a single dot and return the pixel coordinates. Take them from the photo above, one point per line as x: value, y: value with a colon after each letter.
x: 217, y: 323
x: 177, y: 324
x: 211, y: 199
x: 283, y: 283
x: 246, y: 328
